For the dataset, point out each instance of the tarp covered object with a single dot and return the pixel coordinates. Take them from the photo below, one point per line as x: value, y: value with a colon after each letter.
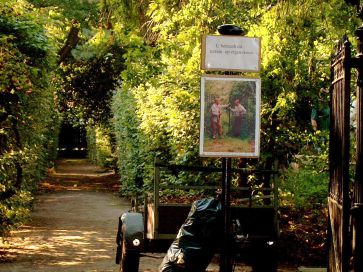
x: 197, y: 239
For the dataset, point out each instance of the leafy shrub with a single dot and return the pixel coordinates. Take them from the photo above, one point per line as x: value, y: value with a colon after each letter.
x: 304, y: 187
x: 134, y: 162
x: 28, y: 120
x: 15, y: 210
x: 306, y: 181
x: 99, y: 147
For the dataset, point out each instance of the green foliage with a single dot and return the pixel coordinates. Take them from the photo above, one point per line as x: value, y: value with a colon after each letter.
x: 161, y: 74
x: 84, y: 11
x: 14, y: 211
x: 136, y: 162
x: 161, y: 83
x: 28, y: 121
x: 90, y: 75
x: 304, y: 184
x: 88, y: 84
x: 90, y: 70
x: 304, y: 188
x: 297, y: 42
x: 99, y: 147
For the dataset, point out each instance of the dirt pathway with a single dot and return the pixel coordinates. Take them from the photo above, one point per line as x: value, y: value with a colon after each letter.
x: 73, y: 225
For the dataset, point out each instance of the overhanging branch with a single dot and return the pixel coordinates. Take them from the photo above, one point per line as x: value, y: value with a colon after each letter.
x: 71, y: 41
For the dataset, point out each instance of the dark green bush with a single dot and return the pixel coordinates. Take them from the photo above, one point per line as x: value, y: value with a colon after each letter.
x: 28, y: 120
x: 305, y: 183
x: 304, y: 187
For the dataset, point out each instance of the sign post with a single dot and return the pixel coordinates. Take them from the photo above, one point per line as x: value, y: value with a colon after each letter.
x: 239, y: 96
x: 226, y: 258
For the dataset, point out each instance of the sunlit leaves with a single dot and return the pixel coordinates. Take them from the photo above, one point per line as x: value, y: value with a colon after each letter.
x: 297, y: 41
x: 161, y: 68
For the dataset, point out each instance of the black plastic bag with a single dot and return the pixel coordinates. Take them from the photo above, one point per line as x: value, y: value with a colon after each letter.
x: 197, y: 239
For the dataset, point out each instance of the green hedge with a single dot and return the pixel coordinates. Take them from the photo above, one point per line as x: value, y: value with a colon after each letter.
x: 99, y: 146
x: 28, y: 119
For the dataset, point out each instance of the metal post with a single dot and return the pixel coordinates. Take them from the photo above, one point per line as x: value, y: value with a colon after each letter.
x: 357, y: 209
x: 226, y: 260
x: 155, y: 232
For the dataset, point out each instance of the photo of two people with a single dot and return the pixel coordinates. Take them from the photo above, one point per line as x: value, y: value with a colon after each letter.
x: 230, y: 116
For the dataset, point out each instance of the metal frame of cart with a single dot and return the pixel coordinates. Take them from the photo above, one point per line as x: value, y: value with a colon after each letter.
x: 259, y: 230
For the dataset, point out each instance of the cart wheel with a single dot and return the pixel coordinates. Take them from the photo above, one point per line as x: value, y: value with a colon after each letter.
x: 129, y: 259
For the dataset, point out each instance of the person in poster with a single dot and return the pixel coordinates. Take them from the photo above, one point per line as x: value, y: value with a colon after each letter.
x: 216, y: 122
x: 230, y: 130
x: 237, y: 115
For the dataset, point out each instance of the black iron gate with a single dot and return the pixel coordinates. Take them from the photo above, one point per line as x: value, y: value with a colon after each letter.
x: 345, y: 199
x: 338, y: 199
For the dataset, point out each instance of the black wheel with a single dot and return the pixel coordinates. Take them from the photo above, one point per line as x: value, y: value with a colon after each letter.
x: 129, y: 259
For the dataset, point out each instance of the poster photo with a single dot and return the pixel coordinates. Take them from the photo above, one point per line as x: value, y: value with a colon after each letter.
x: 230, y: 116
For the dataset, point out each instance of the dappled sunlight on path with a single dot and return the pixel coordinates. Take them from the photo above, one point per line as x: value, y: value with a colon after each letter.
x: 70, y: 230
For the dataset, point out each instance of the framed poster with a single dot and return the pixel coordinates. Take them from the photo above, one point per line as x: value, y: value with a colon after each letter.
x: 231, y: 53
x: 230, y: 116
